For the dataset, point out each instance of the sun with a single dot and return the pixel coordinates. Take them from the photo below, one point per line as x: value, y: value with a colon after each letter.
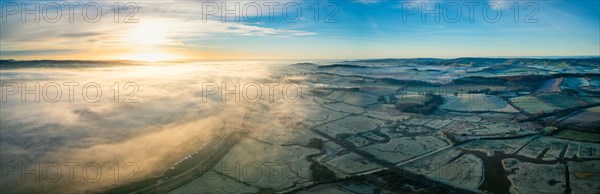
x: 149, y: 34
x: 148, y: 41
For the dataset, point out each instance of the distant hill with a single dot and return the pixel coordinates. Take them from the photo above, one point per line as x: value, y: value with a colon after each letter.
x: 583, y: 61
x: 343, y: 66
x: 13, y: 64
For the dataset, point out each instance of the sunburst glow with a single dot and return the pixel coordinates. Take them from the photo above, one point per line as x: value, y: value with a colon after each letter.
x: 149, y: 34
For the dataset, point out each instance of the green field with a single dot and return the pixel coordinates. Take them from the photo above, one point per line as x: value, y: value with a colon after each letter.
x: 594, y: 109
x: 565, y: 101
x: 477, y: 102
x: 531, y: 104
x: 578, y: 136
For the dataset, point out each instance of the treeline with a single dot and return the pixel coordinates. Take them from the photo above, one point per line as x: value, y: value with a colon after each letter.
x: 430, y: 103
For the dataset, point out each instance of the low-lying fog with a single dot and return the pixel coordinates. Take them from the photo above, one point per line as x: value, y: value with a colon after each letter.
x: 75, y: 140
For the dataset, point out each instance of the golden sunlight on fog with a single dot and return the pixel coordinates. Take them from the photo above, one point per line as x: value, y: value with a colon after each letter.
x: 170, y: 119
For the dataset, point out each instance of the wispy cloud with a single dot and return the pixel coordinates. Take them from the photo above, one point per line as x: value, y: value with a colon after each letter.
x: 160, y: 26
x: 178, y: 26
x: 368, y: 1
x: 501, y: 4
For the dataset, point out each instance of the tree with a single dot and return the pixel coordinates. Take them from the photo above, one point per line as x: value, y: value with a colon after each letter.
x: 316, y: 143
x: 321, y: 173
x: 381, y: 98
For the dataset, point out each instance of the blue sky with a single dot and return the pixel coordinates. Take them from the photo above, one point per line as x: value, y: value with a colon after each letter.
x: 353, y: 29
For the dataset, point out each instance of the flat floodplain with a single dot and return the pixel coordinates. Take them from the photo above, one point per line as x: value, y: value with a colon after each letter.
x: 389, y: 125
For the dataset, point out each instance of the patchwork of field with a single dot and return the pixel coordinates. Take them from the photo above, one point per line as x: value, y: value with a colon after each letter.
x: 351, y: 164
x: 316, y: 115
x: 355, y: 98
x: 550, y: 148
x: 488, y: 126
x: 404, y: 148
x: 350, y: 126
x: 481, y: 125
x: 509, y: 146
x: 266, y: 166
x: 545, y: 103
x: 452, y: 167
x: 359, y: 130
x: 542, y: 171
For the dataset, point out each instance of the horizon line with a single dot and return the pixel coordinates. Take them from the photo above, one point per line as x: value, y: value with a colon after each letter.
x: 322, y: 59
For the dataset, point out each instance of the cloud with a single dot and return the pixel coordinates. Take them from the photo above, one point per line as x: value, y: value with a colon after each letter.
x: 160, y: 27
x: 368, y: 2
x: 501, y: 4
x: 80, y: 34
x: 34, y: 52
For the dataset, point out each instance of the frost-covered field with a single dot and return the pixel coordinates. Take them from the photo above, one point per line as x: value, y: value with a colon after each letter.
x: 353, y: 124
x: 266, y: 166
x: 584, y: 176
x: 350, y: 164
x: 548, y: 178
x: 343, y: 133
x: 451, y: 167
x: 404, y: 148
x: 477, y: 103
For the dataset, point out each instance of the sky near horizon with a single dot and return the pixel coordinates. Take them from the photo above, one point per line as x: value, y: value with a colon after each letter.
x: 340, y: 29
